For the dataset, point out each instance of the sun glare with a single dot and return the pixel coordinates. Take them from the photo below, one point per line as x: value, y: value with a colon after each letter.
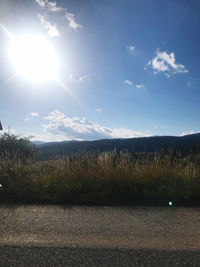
x: 34, y: 58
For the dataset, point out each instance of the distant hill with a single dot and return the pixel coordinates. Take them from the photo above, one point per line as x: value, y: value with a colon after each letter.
x: 38, y: 142
x: 185, y: 144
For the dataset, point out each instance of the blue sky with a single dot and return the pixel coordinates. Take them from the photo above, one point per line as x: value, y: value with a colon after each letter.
x: 125, y: 69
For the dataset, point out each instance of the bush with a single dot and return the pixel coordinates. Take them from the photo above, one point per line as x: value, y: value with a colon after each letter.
x: 16, y: 147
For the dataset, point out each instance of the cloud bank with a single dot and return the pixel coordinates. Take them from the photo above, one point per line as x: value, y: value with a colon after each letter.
x: 189, y: 132
x: 61, y: 127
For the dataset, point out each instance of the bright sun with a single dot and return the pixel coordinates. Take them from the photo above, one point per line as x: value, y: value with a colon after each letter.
x: 34, y: 58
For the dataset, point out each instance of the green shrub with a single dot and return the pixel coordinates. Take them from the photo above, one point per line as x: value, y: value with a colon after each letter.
x: 14, y: 147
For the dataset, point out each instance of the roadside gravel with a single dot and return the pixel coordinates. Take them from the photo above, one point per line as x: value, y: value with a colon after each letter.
x: 45, y: 235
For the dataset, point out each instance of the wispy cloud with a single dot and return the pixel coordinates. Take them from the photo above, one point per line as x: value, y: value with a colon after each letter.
x: 65, y: 128
x: 139, y: 86
x: 51, y: 6
x: 81, y: 79
x: 52, y: 29
x: 34, y: 114
x: 71, y: 20
x: 166, y: 63
x: 128, y: 82
x: 41, y: 3
x: 131, y: 48
x: 98, y: 110
x: 84, y: 79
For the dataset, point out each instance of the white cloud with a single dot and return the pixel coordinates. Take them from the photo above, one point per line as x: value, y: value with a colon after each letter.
x: 128, y: 82
x: 131, y: 48
x: 140, y: 86
x: 66, y: 128
x: 84, y: 79
x: 98, y: 110
x: 131, y: 83
x: 41, y: 3
x: 51, y: 6
x: 52, y: 29
x: 81, y: 79
x: 189, y: 132
x: 47, y: 137
x: 126, y: 133
x: 71, y: 20
x: 166, y: 63
x: 34, y: 114
x: 189, y: 84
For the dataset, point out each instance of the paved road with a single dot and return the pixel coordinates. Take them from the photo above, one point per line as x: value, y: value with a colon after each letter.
x: 99, y: 236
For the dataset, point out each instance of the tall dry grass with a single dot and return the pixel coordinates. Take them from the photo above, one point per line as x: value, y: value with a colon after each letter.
x: 104, y: 178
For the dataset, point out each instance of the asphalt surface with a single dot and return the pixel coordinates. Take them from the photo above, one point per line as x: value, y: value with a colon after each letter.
x: 47, y: 235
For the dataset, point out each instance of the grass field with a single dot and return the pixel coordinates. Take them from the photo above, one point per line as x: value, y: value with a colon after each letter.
x: 102, y: 179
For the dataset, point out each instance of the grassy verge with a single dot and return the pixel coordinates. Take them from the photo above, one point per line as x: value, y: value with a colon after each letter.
x: 101, y: 179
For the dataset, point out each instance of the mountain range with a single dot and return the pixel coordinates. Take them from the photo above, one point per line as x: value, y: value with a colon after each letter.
x: 185, y: 144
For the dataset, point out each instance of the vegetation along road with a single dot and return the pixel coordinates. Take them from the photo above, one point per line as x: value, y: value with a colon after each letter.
x: 45, y: 235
